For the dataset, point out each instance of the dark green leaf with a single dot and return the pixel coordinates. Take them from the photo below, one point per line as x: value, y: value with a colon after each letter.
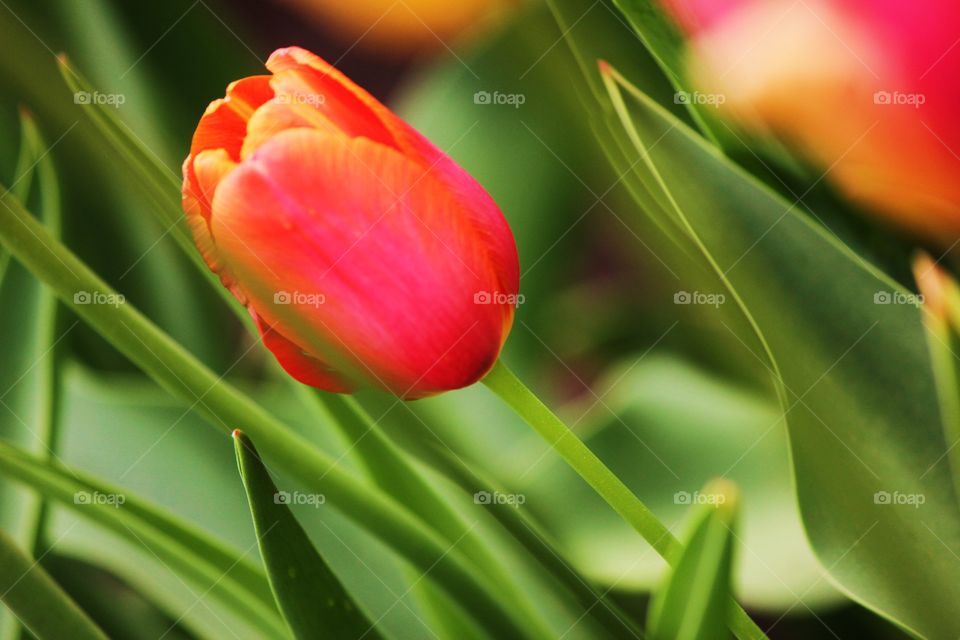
x: 311, y: 598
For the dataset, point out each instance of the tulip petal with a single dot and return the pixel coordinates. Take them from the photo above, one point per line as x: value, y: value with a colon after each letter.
x: 278, y: 115
x: 300, y: 74
x: 396, y: 255
x: 299, y: 365
x: 223, y: 126
x: 304, y: 78
x: 209, y: 168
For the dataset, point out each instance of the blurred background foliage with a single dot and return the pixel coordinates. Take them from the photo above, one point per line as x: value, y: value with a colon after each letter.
x: 667, y: 394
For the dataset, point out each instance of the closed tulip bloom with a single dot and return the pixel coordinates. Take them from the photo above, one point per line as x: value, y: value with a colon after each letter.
x: 867, y: 89
x: 364, y: 254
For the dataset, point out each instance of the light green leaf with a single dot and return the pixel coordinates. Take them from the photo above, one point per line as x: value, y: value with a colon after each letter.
x: 38, y: 603
x: 393, y: 471
x: 666, y: 427
x: 694, y: 603
x: 310, y: 596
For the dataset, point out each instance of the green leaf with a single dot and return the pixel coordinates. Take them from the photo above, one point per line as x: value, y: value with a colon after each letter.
x: 536, y: 542
x: 664, y: 41
x: 394, y: 472
x: 37, y: 601
x: 28, y: 349
x: 227, y: 577
x: 310, y: 596
x: 837, y: 362
x: 118, y: 609
x: 694, y: 603
x: 158, y: 183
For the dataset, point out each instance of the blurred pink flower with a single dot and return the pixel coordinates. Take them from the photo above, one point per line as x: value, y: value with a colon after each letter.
x: 868, y: 89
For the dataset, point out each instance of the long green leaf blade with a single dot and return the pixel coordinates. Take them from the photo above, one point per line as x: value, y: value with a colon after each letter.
x: 28, y: 349
x: 310, y: 596
x: 37, y: 601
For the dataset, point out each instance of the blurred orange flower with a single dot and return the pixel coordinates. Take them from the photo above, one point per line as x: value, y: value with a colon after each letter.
x: 404, y: 25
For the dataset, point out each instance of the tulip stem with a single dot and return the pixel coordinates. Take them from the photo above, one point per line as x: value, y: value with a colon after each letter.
x: 505, y: 384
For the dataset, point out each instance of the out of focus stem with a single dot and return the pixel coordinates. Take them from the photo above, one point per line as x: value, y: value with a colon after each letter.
x: 503, y: 382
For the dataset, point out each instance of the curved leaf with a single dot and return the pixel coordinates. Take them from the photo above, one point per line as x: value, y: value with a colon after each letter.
x: 28, y: 348
x: 838, y: 359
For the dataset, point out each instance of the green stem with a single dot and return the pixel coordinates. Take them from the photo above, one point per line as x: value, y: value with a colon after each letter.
x: 505, y: 384
x: 181, y: 374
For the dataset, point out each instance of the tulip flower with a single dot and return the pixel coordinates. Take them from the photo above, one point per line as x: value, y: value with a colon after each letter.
x: 364, y: 254
x: 866, y: 89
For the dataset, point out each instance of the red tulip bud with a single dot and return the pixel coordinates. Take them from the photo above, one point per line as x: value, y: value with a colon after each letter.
x: 365, y: 255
